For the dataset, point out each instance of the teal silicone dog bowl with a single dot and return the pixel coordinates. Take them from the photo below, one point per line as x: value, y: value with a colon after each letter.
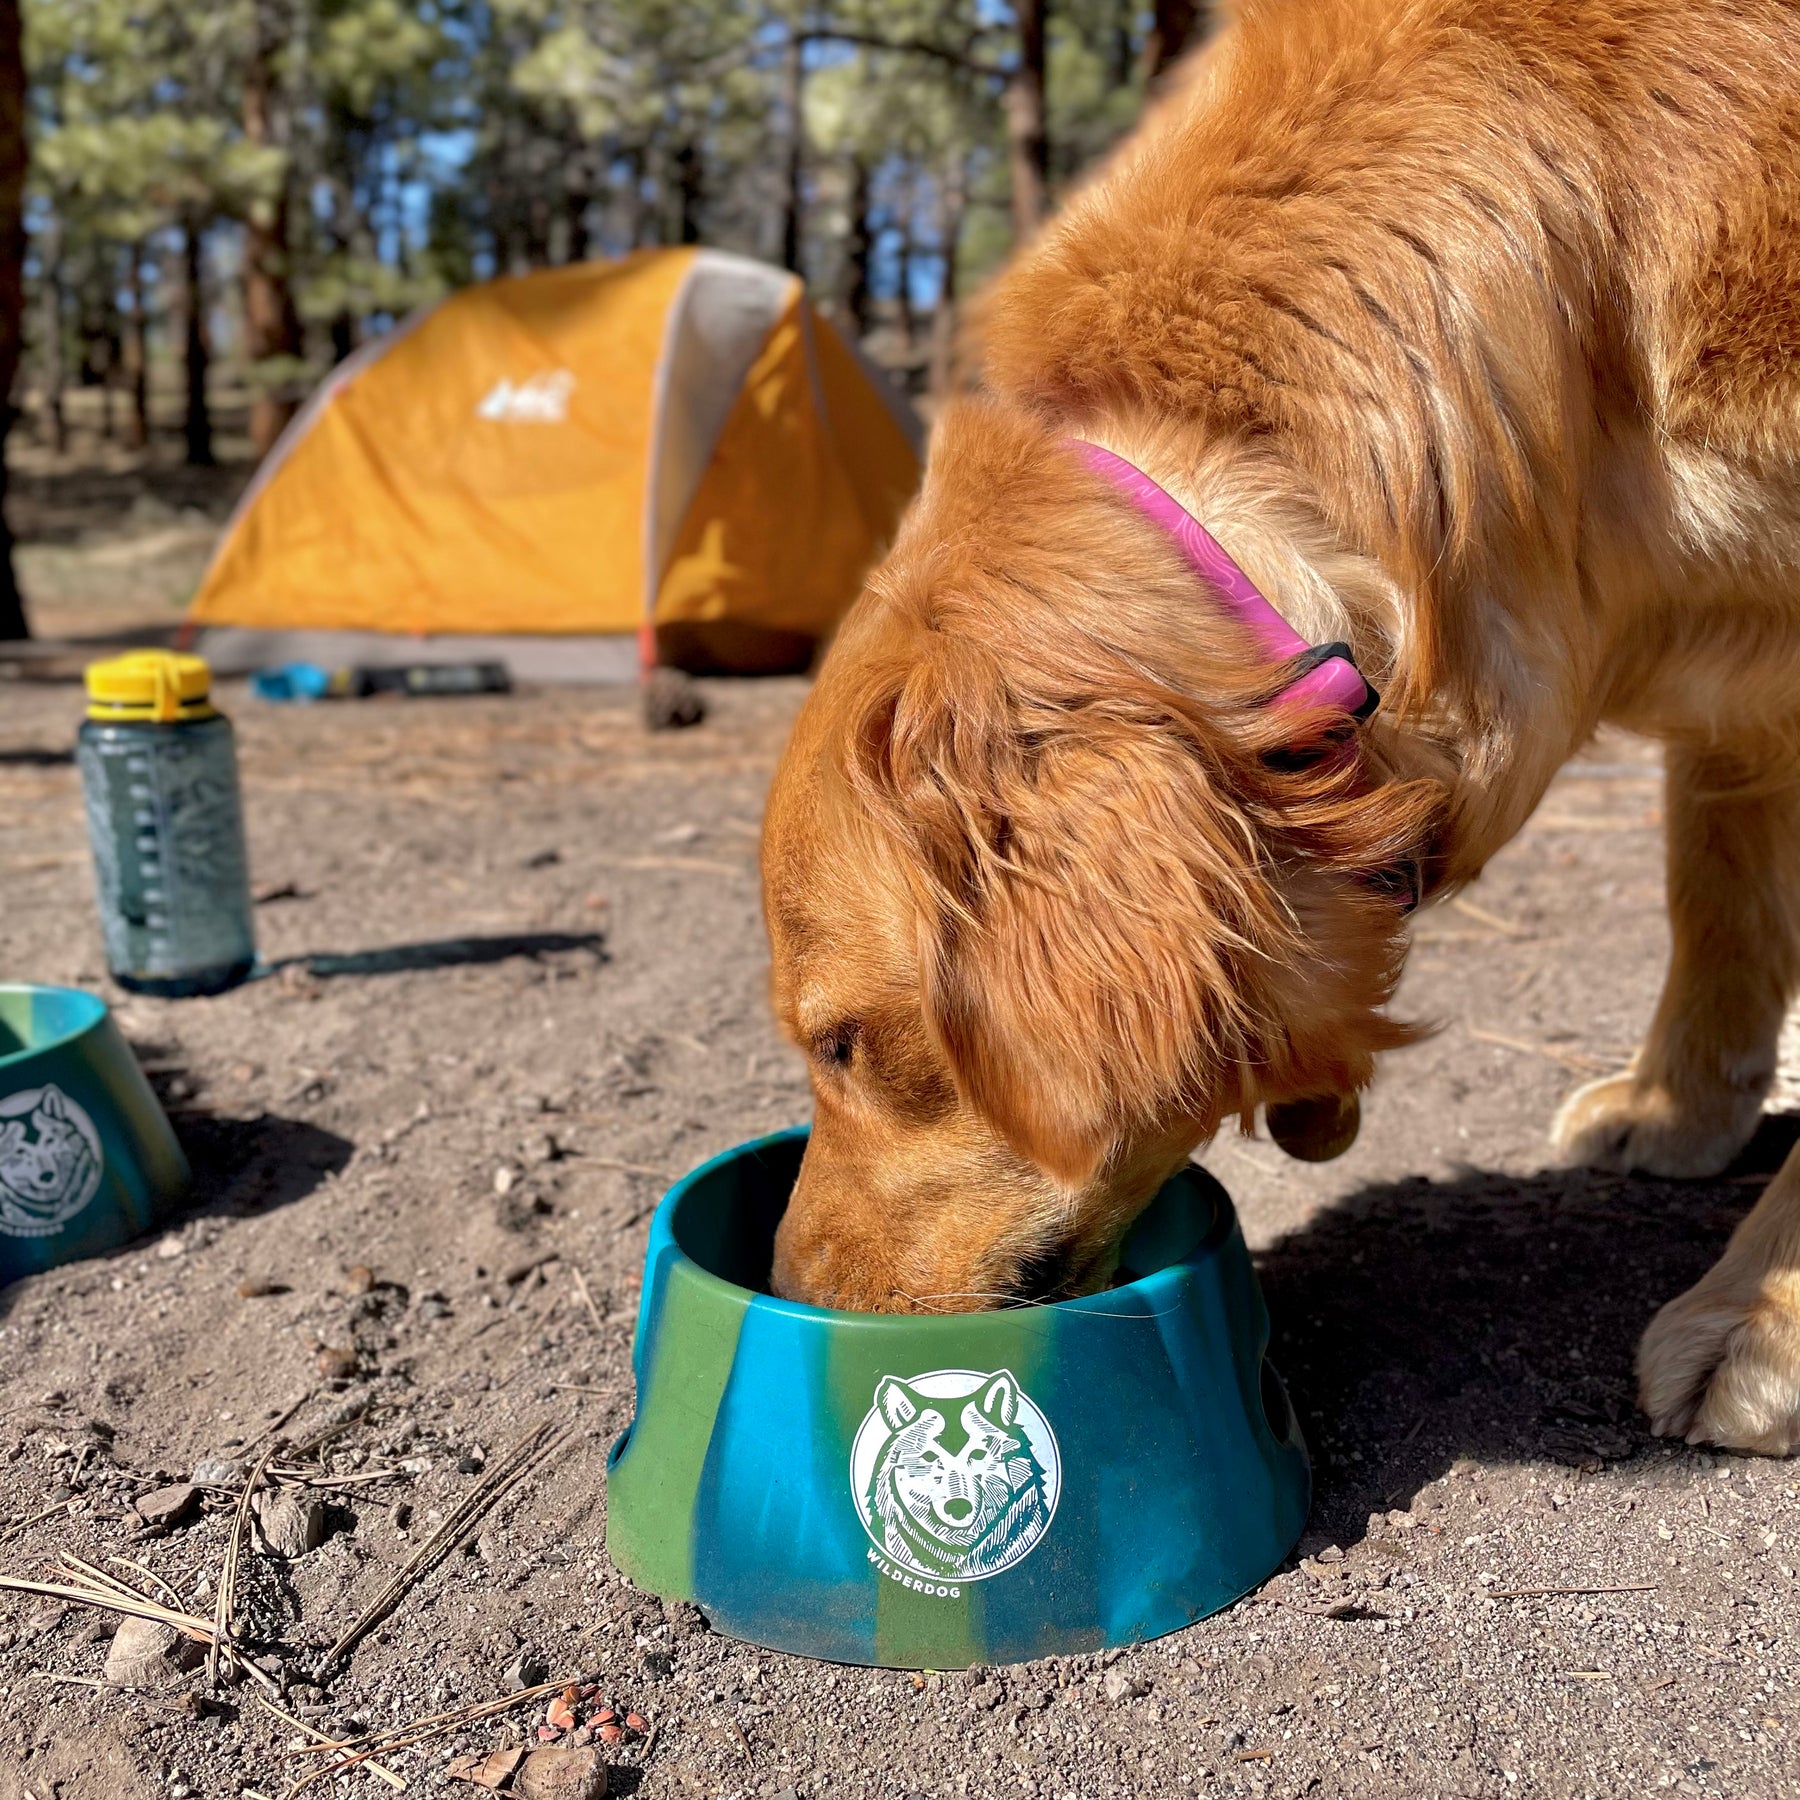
x: 934, y: 1492
x: 87, y: 1156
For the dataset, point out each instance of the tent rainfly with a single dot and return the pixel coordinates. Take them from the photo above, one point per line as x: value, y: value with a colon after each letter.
x: 546, y: 469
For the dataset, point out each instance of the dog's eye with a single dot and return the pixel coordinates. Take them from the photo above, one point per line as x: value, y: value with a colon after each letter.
x: 837, y: 1047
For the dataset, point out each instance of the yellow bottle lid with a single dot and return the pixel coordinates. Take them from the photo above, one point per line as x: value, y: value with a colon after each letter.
x: 162, y: 685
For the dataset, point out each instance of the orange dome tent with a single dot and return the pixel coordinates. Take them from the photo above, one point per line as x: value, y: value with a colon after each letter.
x: 538, y: 467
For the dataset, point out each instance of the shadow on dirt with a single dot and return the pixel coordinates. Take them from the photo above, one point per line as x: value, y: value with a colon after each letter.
x: 35, y: 758
x: 1491, y: 1316
x: 449, y: 953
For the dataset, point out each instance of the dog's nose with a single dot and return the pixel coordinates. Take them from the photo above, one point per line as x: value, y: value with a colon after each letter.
x: 958, y: 1510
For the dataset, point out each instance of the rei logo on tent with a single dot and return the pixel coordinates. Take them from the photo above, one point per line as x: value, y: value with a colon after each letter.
x: 538, y: 400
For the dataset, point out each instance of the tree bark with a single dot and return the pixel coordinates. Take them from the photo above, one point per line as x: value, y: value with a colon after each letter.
x: 271, y: 320
x: 1174, y: 24
x: 793, y: 201
x: 953, y: 207
x: 137, y: 352
x: 1027, y: 140
x: 199, y: 415
x: 690, y: 190
x: 13, y: 154
x: 55, y: 419
x: 859, y: 250
x: 909, y: 250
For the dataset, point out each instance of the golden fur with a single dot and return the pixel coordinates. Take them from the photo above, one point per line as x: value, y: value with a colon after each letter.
x: 1471, y: 328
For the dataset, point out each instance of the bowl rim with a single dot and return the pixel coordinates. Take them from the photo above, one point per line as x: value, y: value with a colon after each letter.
x: 1095, y: 1306
x: 14, y: 1059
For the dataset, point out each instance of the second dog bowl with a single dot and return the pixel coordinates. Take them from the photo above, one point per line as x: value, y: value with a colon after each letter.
x: 87, y: 1156
x: 942, y: 1491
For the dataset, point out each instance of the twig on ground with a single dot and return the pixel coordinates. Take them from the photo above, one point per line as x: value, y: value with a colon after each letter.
x: 581, y: 1387
x: 404, y: 1737
x: 1467, y: 907
x: 326, y: 1741
x: 85, y: 1585
x: 150, y: 1575
x: 87, y: 1681
x: 37, y: 1518
x: 1539, y: 1593
x: 228, y: 1573
x: 1573, y: 1060
x: 513, y: 1468
x: 587, y: 1299
x: 628, y: 1168
x: 275, y: 1425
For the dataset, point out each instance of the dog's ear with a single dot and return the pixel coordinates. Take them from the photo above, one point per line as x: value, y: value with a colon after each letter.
x: 1114, y: 897
x: 897, y: 1405
x: 1000, y: 1399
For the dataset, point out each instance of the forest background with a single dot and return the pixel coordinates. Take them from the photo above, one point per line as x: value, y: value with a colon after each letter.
x: 246, y: 191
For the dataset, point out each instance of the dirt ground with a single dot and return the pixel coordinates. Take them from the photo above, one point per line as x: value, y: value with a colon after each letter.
x: 543, y: 973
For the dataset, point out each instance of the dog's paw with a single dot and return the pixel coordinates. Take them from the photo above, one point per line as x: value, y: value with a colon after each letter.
x: 1634, y: 1126
x: 1721, y: 1364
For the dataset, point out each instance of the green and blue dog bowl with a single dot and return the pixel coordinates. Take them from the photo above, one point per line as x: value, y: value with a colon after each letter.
x: 87, y: 1156
x: 937, y: 1492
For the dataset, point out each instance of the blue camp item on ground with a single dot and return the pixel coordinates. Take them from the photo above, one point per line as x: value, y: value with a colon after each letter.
x: 159, y: 778
x: 87, y: 1157
x: 942, y: 1491
x: 292, y: 681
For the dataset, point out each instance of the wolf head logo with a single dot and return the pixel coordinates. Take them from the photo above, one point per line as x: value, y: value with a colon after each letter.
x: 958, y: 1489
x: 50, y: 1161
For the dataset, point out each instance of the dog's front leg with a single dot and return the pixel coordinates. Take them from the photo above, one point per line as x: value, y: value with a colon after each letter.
x: 1721, y: 1364
x: 1695, y: 1091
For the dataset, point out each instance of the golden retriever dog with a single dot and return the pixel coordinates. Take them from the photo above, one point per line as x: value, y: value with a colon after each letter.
x: 1467, y: 333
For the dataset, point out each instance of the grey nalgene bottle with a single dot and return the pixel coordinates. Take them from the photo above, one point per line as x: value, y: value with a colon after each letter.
x: 159, y: 776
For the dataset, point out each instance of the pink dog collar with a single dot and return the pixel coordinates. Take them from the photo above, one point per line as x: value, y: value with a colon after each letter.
x: 1325, y: 674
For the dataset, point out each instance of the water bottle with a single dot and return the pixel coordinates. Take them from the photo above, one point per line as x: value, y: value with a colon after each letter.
x: 159, y: 777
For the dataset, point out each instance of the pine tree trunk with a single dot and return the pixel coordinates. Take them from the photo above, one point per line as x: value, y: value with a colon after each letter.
x: 55, y: 419
x: 1027, y: 140
x: 271, y: 320
x: 953, y: 208
x: 1174, y: 24
x: 690, y: 187
x: 137, y: 353
x: 859, y: 249
x: 793, y: 200
x: 13, y: 155
x: 199, y: 416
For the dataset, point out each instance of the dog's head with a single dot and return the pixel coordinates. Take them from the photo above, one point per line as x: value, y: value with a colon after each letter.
x: 1052, y: 890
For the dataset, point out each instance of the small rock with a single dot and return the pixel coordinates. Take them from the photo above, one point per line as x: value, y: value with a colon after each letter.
x: 561, y: 1773
x: 146, y: 1653
x: 1330, y: 1554
x: 171, y: 1247
x: 471, y: 1462
x: 335, y: 1364
x: 527, y: 1670
x: 1120, y: 1687
x: 611, y: 1733
x: 45, y: 1619
x: 683, y: 1618
x: 659, y: 1665
x: 504, y: 1178
x: 987, y: 1696
x: 671, y: 701
x: 218, y: 1471
x: 168, y: 1506
x: 258, y: 1287
x: 359, y: 1278
x: 635, y: 1721
x: 491, y: 1771
x: 289, y: 1524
